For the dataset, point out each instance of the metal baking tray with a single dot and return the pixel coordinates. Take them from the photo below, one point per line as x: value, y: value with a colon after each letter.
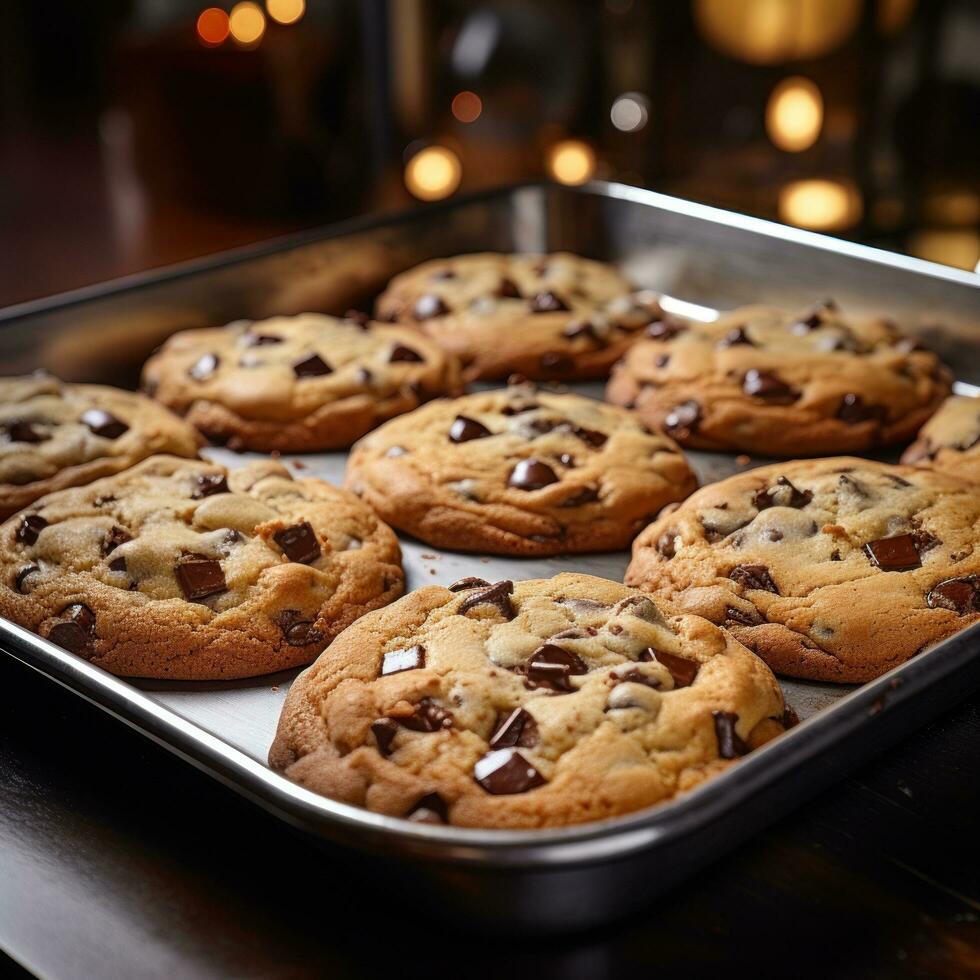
x: 706, y: 260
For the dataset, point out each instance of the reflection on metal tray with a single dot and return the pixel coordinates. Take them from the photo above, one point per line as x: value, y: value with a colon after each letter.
x: 706, y: 260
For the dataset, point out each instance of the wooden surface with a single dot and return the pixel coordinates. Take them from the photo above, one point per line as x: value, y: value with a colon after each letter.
x: 118, y: 860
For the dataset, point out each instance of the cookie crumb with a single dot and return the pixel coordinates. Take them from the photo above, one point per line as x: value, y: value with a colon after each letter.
x: 743, y: 460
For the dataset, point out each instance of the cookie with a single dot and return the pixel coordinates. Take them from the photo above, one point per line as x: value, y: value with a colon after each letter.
x: 553, y: 316
x: 297, y: 384
x: 518, y: 471
x: 950, y: 440
x: 520, y: 705
x: 185, y: 570
x: 834, y: 569
x: 759, y: 380
x: 55, y: 435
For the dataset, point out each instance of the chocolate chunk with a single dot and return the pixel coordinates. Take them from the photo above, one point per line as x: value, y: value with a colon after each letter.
x: 567, y: 459
x: 665, y: 329
x: 897, y: 554
x: 546, y: 302
x: 531, y: 474
x: 635, y: 676
x: 402, y: 353
x: 592, y: 437
x: 76, y: 630
x: 551, y: 666
x: 208, y: 484
x: 519, y: 409
x: 583, y: 329
x: 681, y: 669
x: 430, y: 809
x: 464, y: 429
x: 808, y: 323
x: 666, y: 544
x: 781, y: 494
x: 103, y: 423
x: 961, y: 595
x: 506, y: 771
x: 462, y: 584
x: 429, y: 306
x: 734, y: 338
x: 302, y: 633
x: 17, y: 430
x: 358, y: 317
x: 118, y: 564
x: 768, y: 386
x: 553, y: 362
x: 30, y: 527
x: 743, y: 617
x: 299, y: 543
x: 586, y: 495
x: 405, y: 658
x: 682, y: 420
x: 497, y: 595
x: 23, y: 574
x: 730, y: 746
x: 115, y: 536
x: 508, y: 289
x: 204, y: 367
x: 924, y: 541
x: 427, y: 717
x: 200, y: 576
x: 853, y: 410
x: 260, y: 339
x: 517, y: 729
x: 311, y: 366
x: 384, y: 731
x: 753, y: 577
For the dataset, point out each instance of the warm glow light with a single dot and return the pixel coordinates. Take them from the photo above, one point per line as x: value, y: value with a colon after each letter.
x: 630, y: 112
x: 212, y: 26
x: 467, y: 106
x: 433, y: 173
x: 953, y: 207
x: 286, y: 11
x: 958, y: 247
x: 571, y: 162
x: 794, y: 114
x: 824, y: 205
x: 247, y: 23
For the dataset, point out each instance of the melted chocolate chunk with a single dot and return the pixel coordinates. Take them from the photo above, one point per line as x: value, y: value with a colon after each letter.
x: 897, y: 554
x: 547, y: 302
x: 115, y: 536
x: 103, y: 423
x: 29, y: 529
x: 311, y: 366
x: 853, y: 410
x: 204, y: 367
x: 516, y: 729
x: 384, y: 731
x: 665, y: 329
x: 505, y: 771
x: 427, y: 717
x: 743, y: 617
x: 208, y: 484
x: 753, y: 577
x: 551, y: 666
x: 519, y: 409
x: 592, y: 437
x: 682, y: 420
x: 553, y: 362
x: 299, y: 543
x: 430, y: 809
x: 730, y: 746
x: 777, y: 496
x: 302, y: 633
x: 200, y: 577
x: 76, y: 630
x: 462, y: 584
x: 587, y: 495
x: 24, y: 572
x: 429, y: 306
x: 584, y: 329
x: 531, y: 474
x: 508, y: 289
x: 808, y: 323
x: 682, y: 670
x: 402, y: 353
x: 666, y: 544
x: 635, y: 676
x: 497, y: 595
x: 260, y: 339
x: 465, y: 429
x: 17, y: 430
x: 768, y: 386
x: 405, y: 658
x: 960, y: 595
x: 567, y: 459
x: 734, y: 338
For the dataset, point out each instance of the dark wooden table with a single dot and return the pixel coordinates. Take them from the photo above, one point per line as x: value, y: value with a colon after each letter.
x: 118, y: 860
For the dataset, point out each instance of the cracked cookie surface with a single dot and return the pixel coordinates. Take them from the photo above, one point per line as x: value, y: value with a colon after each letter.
x: 519, y: 471
x: 55, y: 435
x: 761, y: 380
x: 554, y: 316
x: 182, y: 569
x: 297, y: 384
x: 950, y: 440
x: 835, y: 569
x: 518, y: 705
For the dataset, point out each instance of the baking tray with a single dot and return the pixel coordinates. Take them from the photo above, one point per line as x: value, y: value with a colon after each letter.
x: 706, y: 260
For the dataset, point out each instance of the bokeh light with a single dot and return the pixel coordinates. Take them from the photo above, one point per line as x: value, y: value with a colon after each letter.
x: 571, y: 162
x: 285, y: 11
x: 630, y: 112
x: 433, y: 173
x: 246, y: 23
x: 467, y: 106
x: 959, y: 247
x: 794, y: 114
x: 212, y: 26
x: 820, y: 204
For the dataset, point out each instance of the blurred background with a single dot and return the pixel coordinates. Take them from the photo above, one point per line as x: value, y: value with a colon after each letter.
x: 135, y: 133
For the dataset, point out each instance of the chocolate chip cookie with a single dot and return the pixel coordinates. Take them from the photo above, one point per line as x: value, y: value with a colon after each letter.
x: 55, y: 435
x: 184, y: 570
x: 518, y: 471
x: 950, y: 440
x: 297, y: 384
x: 759, y: 380
x: 519, y: 705
x: 835, y: 569
x: 553, y: 316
